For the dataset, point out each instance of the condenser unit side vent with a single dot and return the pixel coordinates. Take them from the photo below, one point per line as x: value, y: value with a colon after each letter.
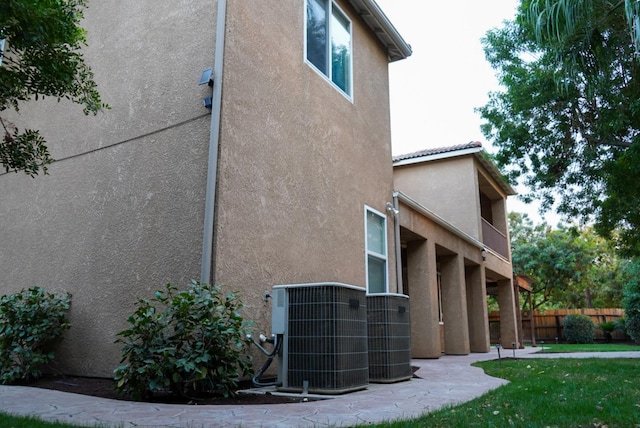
x: 279, y: 311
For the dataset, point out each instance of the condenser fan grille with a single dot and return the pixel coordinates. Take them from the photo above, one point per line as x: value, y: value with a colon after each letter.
x: 326, y: 341
x: 389, y: 338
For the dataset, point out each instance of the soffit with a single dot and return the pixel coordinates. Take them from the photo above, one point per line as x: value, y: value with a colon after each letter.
x: 496, y: 174
x: 378, y: 22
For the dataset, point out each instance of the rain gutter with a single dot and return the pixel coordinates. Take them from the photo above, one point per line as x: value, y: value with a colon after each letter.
x: 397, y: 243
x: 437, y: 219
x: 214, y: 139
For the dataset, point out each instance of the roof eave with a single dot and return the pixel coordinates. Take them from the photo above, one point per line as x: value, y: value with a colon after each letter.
x: 437, y: 156
x: 378, y: 22
x: 496, y: 174
x: 476, y: 151
x: 407, y: 200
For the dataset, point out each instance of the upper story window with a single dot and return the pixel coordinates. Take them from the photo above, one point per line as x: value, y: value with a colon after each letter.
x: 376, y: 235
x: 328, y: 45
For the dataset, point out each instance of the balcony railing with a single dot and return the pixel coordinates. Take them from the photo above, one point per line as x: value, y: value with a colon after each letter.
x: 494, y: 239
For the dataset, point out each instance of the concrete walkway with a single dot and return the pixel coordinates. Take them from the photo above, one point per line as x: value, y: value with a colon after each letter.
x: 445, y: 381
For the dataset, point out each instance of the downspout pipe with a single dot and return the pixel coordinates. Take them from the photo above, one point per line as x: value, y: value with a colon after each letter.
x: 214, y: 140
x: 396, y: 235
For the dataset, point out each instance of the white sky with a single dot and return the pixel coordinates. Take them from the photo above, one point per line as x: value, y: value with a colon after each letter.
x: 434, y: 92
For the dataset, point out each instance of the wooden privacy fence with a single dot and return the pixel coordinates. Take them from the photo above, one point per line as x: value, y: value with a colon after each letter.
x: 548, y: 324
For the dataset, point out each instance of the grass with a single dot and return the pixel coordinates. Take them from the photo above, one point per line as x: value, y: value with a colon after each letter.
x: 590, y: 347
x: 549, y: 393
x: 10, y: 421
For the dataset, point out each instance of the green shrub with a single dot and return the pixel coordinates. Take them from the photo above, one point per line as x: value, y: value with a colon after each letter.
x: 29, y: 321
x: 621, y: 325
x: 631, y: 300
x: 579, y: 328
x: 632, y: 324
x: 183, y: 342
x: 608, y: 327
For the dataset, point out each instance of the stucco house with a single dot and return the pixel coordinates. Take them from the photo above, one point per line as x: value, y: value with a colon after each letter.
x: 273, y: 167
x: 454, y: 242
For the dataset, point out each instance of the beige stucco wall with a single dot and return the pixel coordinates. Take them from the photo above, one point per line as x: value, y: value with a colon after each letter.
x: 466, y: 325
x: 450, y: 188
x: 121, y: 212
x: 447, y: 187
x: 298, y: 160
x: 498, y: 267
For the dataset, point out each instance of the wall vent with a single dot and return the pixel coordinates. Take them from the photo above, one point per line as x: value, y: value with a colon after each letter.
x: 389, y: 330
x: 324, y: 332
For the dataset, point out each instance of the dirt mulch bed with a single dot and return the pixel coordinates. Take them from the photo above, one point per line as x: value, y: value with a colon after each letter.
x: 105, y: 388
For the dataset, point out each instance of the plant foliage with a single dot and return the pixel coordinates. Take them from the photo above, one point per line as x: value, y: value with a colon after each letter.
x: 184, y: 341
x: 608, y: 327
x: 567, y: 122
x: 631, y: 301
x: 29, y: 321
x: 571, y: 267
x: 42, y: 58
x: 579, y: 328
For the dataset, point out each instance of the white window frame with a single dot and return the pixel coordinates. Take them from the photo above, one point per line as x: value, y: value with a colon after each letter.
x: 331, y: 4
x: 368, y: 253
x: 439, y: 284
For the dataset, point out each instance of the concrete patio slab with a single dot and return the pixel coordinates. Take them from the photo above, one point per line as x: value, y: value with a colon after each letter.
x: 442, y: 382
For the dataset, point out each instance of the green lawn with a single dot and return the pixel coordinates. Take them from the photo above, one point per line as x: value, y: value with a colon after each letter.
x: 590, y: 347
x: 549, y: 393
x: 26, y: 422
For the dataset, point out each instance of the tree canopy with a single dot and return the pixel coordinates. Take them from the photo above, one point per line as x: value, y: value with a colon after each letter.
x: 42, y: 57
x: 571, y: 267
x: 567, y: 121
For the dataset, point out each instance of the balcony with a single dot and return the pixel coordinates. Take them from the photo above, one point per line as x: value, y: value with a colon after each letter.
x: 494, y: 239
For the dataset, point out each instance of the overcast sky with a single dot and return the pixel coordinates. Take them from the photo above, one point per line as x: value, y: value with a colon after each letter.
x: 434, y: 92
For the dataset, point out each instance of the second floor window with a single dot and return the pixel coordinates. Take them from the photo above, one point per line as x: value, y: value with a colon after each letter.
x: 329, y: 42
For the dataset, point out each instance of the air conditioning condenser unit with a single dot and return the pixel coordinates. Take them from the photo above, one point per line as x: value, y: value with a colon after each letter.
x: 323, y: 328
x: 389, y: 329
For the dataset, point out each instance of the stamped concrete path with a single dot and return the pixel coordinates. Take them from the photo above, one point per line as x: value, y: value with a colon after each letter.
x: 445, y: 381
